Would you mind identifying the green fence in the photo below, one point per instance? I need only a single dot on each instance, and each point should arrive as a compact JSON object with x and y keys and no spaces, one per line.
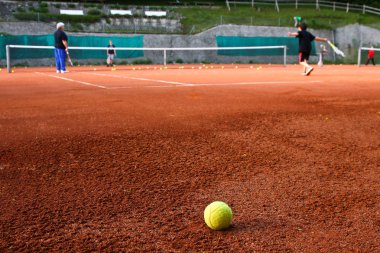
{"x":237,"y":41}
{"x":77,"y":41}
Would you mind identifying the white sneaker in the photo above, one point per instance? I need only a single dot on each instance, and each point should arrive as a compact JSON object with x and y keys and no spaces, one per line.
{"x":58,"y":71}
{"x":308,"y":72}
{"x":64,"y":71}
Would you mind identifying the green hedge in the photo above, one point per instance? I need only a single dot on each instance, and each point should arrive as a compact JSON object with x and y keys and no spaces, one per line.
{"x":47,"y":17}
{"x":94,"y":12}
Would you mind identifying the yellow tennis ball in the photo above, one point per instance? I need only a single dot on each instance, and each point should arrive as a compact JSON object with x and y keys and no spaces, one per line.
{"x":13,"y":71}
{"x":218,"y":215}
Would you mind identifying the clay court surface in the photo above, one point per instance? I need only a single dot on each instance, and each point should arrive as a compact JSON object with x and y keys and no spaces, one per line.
{"x":127,"y":160}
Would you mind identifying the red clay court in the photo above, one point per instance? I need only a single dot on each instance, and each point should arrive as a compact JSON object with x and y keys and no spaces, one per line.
{"x":127,"y":160}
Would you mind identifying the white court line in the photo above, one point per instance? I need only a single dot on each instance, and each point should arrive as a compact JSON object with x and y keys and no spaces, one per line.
{"x":253,"y":83}
{"x":176,"y":84}
{"x":75,"y":81}
{"x":180,"y":84}
{"x":143,"y":79}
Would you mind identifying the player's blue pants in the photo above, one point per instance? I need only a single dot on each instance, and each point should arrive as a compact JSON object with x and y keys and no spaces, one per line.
{"x":60,"y":58}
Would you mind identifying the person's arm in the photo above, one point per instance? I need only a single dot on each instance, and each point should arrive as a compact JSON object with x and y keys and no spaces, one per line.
{"x":292,"y":34}
{"x":65,"y":44}
{"x":321,"y":39}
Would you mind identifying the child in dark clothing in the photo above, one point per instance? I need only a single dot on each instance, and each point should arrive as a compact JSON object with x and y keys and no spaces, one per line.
{"x":305,"y":40}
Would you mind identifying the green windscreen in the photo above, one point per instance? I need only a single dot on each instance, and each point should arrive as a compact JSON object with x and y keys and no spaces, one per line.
{"x":236,"y":41}
{"x":77,"y":41}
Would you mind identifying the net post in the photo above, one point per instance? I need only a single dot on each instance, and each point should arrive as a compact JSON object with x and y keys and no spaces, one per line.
{"x":277,"y":7}
{"x":359,"y":56}
{"x":228,"y":5}
{"x":285,"y":55}
{"x":8,"y":56}
{"x":164,"y":57}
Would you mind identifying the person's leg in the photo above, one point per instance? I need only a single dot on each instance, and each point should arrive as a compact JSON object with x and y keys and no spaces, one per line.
{"x":309,"y":69}
{"x":373,"y":61}
{"x":366,"y":63}
{"x":62,"y":59}
{"x":111,"y":59}
{"x":57,"y":61}
{"x":301,"y":62}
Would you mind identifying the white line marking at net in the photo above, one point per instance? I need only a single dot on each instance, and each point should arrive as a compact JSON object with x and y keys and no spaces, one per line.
{"x":75,"y":81}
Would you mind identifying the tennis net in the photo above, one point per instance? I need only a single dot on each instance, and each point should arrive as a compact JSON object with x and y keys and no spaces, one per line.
{"x":17,"y":55}
{"x":363,"y":54}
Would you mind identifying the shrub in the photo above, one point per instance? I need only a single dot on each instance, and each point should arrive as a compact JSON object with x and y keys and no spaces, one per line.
{"x":58,"y":6}
{"x":72,"y":6}
{"x":48,"y":17}
{"x":180,"y":61}
{"x":76,"y":27}
{"x":43,"y":5}
{"x":94,"y":12}
{"x":142,"y":62}
{"x":88,"y":5}
{"x":20,"y":9}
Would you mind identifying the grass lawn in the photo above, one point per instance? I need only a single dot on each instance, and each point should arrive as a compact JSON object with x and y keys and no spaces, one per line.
{"x":199,"y":19}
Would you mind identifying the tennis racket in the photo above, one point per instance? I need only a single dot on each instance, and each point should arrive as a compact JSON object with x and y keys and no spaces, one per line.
{"x":69,"y":59}
{"x":336,"y":50}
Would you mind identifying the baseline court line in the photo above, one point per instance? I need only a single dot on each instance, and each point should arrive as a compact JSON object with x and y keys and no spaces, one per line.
{"x":75,"y":81}
{"x":143,"y":79}
{"x":175,"y":84}
{"x":181,"y":84}
{"x":253,"y":83}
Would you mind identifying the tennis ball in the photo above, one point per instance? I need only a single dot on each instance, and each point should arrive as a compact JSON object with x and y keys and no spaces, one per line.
{"x":218,"y":215}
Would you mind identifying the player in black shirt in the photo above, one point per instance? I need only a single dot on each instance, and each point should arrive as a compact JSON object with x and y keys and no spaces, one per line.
{"x":61,"y":48}
{"x":111,"y":53}
{"x":305,"y":40}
